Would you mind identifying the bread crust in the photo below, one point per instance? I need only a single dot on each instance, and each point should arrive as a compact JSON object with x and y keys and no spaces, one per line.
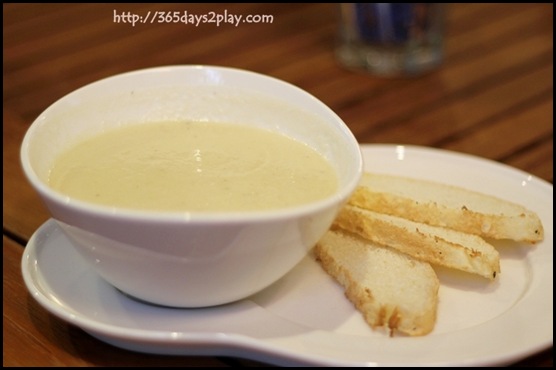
{"x":447,"y":206}
{"x":381,"y":293}
{"x":431,"y":244}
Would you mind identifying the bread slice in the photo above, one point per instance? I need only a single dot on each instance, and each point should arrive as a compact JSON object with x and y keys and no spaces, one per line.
{"x":431,"y":244}
{"x":448,"y":206}
{"x":391,"y":289}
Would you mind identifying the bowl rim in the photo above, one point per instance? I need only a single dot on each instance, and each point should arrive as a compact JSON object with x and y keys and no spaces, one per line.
{"x":114,"y":213}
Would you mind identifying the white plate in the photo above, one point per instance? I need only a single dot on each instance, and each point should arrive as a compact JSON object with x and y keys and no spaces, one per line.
{"x":304,"y":319}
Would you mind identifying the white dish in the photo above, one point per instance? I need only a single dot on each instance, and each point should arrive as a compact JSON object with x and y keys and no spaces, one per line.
{"x":304,"y":318}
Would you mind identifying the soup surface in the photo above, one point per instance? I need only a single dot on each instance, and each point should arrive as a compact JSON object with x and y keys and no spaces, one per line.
{"x":193,"y":166}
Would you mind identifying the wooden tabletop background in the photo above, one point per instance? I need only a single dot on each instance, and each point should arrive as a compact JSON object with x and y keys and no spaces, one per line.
{"x":492,"y":97}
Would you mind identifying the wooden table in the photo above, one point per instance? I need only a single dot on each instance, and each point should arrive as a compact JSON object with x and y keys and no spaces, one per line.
{"x":492,"y":98}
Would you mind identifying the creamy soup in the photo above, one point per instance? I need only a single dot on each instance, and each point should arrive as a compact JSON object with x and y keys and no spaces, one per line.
{"x":193,"y":166}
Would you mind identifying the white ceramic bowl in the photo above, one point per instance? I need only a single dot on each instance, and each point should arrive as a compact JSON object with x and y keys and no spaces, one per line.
{"x":188,"y":259}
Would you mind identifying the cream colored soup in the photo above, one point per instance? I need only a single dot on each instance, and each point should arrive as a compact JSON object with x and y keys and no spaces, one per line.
{"x":193,"y":166}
